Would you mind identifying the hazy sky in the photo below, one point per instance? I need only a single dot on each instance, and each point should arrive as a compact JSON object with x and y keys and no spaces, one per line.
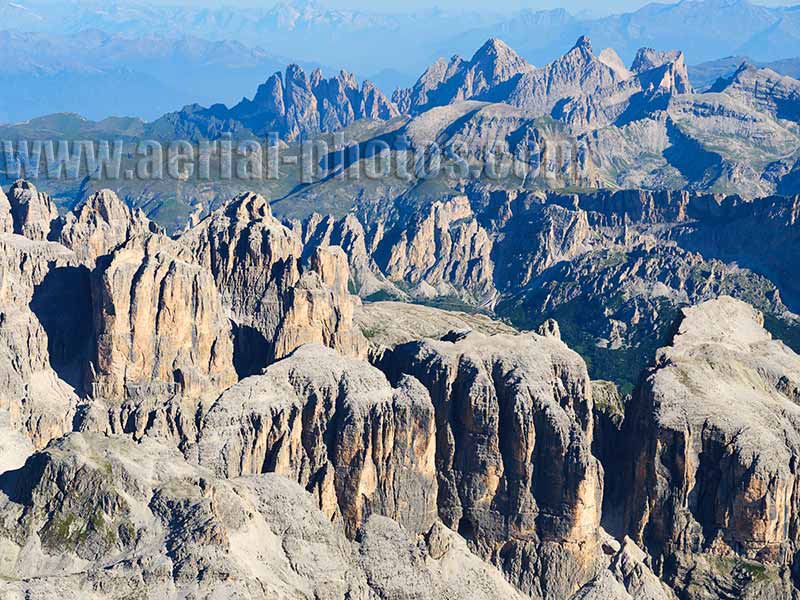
{"x":574,"y":6}
{"x":511,"y":5}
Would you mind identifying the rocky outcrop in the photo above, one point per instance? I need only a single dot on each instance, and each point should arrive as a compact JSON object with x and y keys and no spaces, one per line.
{"x":350,"y":235}
{"x":654,"y":78}
{"x":452,"y":249}
{"x":533,"y":235}
{"x":341,"y":102}
{"x":44,"y":327}
{"x":440,"y":251}
{"x":576,"y":73}
{"x":253,"y":259}
{"x":336,"y":426}
{"x":96,"y":517}
{"x":627,"y":577}
{"x":277,"y":304}
{"x":724,"y":231}
{"x":513,"y":453}
{"x":160,"y":325}
{"x":100,"y":224}
{"x":6,"y":220}
{"x":319,"y":308}
{"x":662,"y":71}
{"x":608,"y":208}
{"x":34,"y":213}
{"x":715,"y":434}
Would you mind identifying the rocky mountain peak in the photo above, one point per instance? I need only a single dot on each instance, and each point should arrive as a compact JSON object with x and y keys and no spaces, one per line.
{"x":291,"y":104}
{"x":723,"y":398}
{"x":248,"y":207}
{"x":296,"y":75}
{"x":100,"y":224}
{"x":493,"y":64}
{"x":496,"y":62}
{"x":612,"y":60}
{"x":583,"y":44}
{"x":649,"y":58}
{"x":764,"y":90}
{"x":269,"y":95}
{"x":495,"y":51}
{"x":34,"y":214}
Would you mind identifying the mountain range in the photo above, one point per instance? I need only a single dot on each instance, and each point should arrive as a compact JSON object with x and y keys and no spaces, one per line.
{"x":515,"y":330}
{"x":705,"y":29}
{"x":640,"y":141}
{"x":160,"y":57}
{"x":238,"y":411}
{"x":617,"y":126}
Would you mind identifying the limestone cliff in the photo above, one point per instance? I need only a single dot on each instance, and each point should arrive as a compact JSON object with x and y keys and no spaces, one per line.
{"x":513,"y":454}
{"x":715,"y":435}
{"x":6,"y":220}
{"x":102,"y":517}
{"x":160,"y":324}
{"x":44,"y":326}
{"x":277,"y":303}
{"x":336,"y":426}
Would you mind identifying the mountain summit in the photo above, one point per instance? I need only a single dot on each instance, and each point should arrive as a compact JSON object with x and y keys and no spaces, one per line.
{"x":444,"y":83}
{"x":292,"y":104}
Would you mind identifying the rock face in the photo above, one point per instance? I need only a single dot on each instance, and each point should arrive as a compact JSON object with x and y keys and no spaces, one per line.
{"x":253,"y":259}
{"x":97,"y":517}
{"x":100,"y":224}
{"x":612,"y":267}
{"x":516,"y":474}
{"x":350,"y":235}
{"x":440,"y":251}
{"x":627,"y":577}
{"x":135,"y":457}
{"x":293,"y":106}
{"x":583,"y":89}
{"x":6,"y":220}
{"x":44,"y":320}
{"x":34,"y":213}
{"x":160,"y":324}
{"x":455,"y":248}
{"x":715,"y":434}
{"x":319,"y":308}
{"x":277,"y":304}
{"x":336,"y":426}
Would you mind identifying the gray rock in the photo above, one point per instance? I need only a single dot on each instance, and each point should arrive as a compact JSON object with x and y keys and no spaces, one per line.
{"x":6,"y":220}
{"x":100,"y":224}
{"x":443,"y":83}
{"x":276,"y":303}
{"x":94,"y":516}
{"x":715,"y":433}
{"x":34,"y":213}
{"x":336,"y":426}
{"x":160,"y":325}
{"x":516,"y":474}
{"x":40,"y":342}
